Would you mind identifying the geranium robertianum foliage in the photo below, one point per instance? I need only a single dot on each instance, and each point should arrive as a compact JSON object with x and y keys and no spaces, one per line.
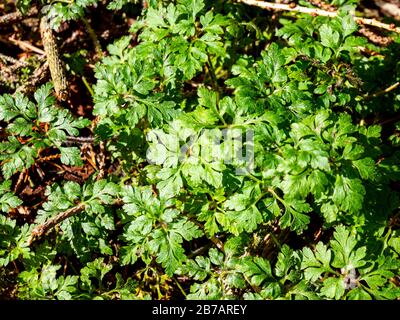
{"x":310,"y":213}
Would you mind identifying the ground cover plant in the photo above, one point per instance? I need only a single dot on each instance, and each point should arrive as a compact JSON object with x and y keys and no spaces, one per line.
{"x":197,"y":149}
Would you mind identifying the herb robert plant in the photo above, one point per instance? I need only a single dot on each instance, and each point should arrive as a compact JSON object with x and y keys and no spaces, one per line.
{"x":311,"y":213}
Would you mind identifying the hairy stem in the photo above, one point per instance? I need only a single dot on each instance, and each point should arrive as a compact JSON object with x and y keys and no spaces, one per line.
{"x":41,"y":229}
{"x":56,"y":66}
{"x":93,"y":37}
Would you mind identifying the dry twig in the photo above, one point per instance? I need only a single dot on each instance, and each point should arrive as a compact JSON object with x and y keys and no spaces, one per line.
{"x":80,"y":140}
{"x":26,"y":46}
{"x":317,"y":12}
{"x":16,"y":16}
{"x":17,"y":62}
{"x":374,"y":37}
{"x":101,"y":160}
{"x":389,"y":9}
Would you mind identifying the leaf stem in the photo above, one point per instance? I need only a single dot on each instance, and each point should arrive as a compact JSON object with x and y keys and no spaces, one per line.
{"x":252,"y":177}
{"x":383,"y":92}
{"x":276,"y":196}
{"x":275,"y":240}
{"x":385,"y":239}
{"x":180,"y":287}
{"x":87,"y":85}
{"x":211,"y":72}
{"x":93,"y":37}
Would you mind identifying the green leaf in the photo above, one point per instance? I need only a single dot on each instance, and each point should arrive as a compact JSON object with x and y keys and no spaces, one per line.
{"x":366,"y":167}
{"x":167,"y":247}
{"x":294,"y":216}
{"x":243,"y":220}
{"x":349,"y":25}
{"x":7,"y":199}
{"x":192,"y":7}
{"x":329,"y":37}
{"x":170,"y":182}
{"x":348,"y":194}
{"x":346,"y":256}
{"x":274,"y":62}
{"x":287,"y":263}
{"x":96,"y":269}
{"x":315,"y":264}
{"x":71,"y":156}
{"x":45,"y":101}
{"x":197,"y":269}
{"x":256,"y":269}
{"x":333,"y":288}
